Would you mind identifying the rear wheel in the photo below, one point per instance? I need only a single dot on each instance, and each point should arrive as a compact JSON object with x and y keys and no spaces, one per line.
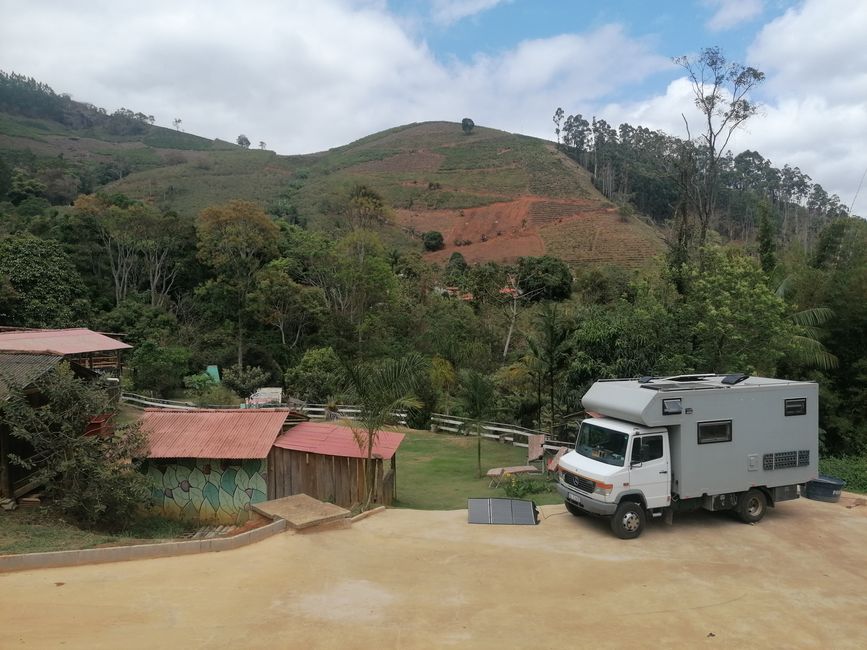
{"x":628,"y":520}
{"x":752,"y":506}
{"x":573,"y":509}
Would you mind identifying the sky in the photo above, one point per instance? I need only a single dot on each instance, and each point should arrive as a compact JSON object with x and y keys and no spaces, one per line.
{"x":305,"y":75}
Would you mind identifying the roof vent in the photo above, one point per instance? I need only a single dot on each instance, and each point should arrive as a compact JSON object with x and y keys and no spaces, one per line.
{"x":645,"y":380}
{"x":731,"y":380}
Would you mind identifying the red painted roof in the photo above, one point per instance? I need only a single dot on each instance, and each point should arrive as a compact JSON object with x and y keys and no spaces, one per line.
{"x":334,"y":440}
{"x":69,"y":341}
{"x":212,"y":433}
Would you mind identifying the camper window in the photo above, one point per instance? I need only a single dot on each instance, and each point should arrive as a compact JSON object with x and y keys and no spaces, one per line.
{"x":672,"y":407}
{"x":796,"y":406}
{"x":716,"y":431}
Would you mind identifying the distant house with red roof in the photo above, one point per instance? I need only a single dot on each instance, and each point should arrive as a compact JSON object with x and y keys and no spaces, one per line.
{"x":85,"y":347}
{"x":214,"y":464}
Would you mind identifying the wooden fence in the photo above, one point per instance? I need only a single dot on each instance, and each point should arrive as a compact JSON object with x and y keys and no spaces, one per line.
{"x":511,"y":433}
{"x":313,"y":411}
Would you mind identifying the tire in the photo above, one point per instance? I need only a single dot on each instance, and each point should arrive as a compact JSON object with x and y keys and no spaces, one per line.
{"x":573,"y":509}
{"x":628,"y":520}
{"x":752,"y":506}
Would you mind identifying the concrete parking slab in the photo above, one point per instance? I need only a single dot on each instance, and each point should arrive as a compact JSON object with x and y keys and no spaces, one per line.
{"x":413,"y":579}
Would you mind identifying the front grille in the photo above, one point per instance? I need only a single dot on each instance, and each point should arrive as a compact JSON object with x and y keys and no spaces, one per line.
{"x":583,"y":484}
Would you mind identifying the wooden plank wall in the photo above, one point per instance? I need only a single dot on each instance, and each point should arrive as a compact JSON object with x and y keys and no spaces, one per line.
{"x":333,"y":479}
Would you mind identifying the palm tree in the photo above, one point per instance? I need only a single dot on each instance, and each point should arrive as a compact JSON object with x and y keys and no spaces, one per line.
{"x":380,"y":391}
{"x":477,"y":399}
{"x":807,"y":349}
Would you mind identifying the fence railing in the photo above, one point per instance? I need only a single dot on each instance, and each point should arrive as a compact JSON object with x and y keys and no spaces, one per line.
{"x":144,"y":401}
{"x":511,"y":433}
{"x":341,"y":412}
{"x":313,"y":411}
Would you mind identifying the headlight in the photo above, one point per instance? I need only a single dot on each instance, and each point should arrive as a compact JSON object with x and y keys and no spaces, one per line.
{"x":603,"y":488}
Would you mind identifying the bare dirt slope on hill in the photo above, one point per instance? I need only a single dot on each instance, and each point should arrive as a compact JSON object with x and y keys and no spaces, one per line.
{"x":414,"y":579}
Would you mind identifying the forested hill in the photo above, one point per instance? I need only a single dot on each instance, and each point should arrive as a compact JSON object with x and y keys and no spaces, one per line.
{"x":285,"y":269}
{"x":493,"y":195}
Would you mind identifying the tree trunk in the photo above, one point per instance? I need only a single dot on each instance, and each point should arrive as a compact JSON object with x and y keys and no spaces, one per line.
{"x":240,"y":340}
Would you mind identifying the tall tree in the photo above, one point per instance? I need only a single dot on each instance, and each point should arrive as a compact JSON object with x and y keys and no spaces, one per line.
{"x":281,"y":302}
{"x":550,"y":347}
{"x":721,"y":89}
{"x":116,"y":219}
{"x":39,"y":286}
{"x":236,"y":239}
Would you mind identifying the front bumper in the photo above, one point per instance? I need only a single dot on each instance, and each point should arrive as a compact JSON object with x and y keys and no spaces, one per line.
{"x":586,"y":502}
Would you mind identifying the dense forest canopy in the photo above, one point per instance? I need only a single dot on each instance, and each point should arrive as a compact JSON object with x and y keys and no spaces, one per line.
{"x":778,"y":288}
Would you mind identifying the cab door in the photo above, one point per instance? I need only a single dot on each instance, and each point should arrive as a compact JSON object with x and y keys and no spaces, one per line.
{"x":649,"y":469}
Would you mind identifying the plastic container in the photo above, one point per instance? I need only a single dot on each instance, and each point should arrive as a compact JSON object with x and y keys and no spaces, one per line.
{"x":825,"y":488}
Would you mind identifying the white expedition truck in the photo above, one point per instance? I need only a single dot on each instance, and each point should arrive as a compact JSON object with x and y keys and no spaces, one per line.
{"x":655,"y":446}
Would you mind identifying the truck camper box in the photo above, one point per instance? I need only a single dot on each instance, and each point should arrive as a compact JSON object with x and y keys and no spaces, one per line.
{"x":657,"y":445}
{"x":758,"y":431}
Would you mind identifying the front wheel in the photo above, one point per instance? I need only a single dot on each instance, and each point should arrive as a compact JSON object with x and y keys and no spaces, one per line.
{"x":752,"y":506}
{"x":628,"y":520}
{"x":574,"y":510}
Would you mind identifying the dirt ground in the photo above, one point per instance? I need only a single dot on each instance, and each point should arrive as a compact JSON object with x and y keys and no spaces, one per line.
{"x":413,"y":579}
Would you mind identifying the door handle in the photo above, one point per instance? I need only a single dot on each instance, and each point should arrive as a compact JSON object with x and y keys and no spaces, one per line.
{"x":664,"y":472}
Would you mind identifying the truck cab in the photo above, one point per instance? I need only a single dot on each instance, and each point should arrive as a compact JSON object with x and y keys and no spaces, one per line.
{"x":615,"y":462}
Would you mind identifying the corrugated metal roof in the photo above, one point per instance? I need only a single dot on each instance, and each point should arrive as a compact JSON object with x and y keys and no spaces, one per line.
{"x":69,"y":341}
{"x":22,"y":369}
{"x":334,"y":440}
{"x":212,"y":433}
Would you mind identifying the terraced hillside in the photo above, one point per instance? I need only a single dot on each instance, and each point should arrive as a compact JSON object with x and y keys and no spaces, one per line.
{"x":494,"y":195}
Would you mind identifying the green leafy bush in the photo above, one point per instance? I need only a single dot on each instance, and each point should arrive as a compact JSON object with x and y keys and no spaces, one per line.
{"x":245,"y":380}
{"x":518,"y":487}
{"x":88,"y":477}
{"x":852,"y":469}
{"x":159,"y":368}
{"x":433,"y":240}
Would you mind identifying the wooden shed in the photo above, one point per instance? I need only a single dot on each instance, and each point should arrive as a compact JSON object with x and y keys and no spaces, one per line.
{"x":323,"y":460}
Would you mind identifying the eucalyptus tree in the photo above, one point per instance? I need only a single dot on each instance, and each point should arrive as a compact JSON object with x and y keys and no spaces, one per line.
{"x":721,"y":90}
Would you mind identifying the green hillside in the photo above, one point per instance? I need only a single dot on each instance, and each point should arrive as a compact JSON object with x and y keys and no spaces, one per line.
{"x":496,"y":195}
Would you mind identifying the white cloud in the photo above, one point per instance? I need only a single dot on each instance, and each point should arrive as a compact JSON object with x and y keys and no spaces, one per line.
{"x":731,"y":13}
{"x":814,"y":112}
{"x":304,"y":76}
{"x":447,"y":12}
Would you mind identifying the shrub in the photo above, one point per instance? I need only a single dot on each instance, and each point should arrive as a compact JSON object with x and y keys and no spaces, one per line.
{"x":518,"y":487}
{"x":217,"y":395}
{"x":852,"y":469}
{"x":89,"y":477}
{"x":159,"y":368}
{"x":317,"y":376}
{"x":245,"y":380}
{"x":433,"y":240}
{"x":199,"y":383}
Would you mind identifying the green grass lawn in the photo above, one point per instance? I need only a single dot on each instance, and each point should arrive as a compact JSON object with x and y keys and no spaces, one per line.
{"x":39,"y":530}
{"x":437,"y":471}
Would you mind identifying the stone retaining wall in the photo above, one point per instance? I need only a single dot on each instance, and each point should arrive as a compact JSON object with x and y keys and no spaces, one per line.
{"x":26,"y":561}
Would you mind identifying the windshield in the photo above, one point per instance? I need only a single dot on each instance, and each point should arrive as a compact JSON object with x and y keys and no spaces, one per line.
{"x":602,"y":444}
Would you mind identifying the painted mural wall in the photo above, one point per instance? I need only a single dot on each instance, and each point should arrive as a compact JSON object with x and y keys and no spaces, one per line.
{"x":207,"y":490}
